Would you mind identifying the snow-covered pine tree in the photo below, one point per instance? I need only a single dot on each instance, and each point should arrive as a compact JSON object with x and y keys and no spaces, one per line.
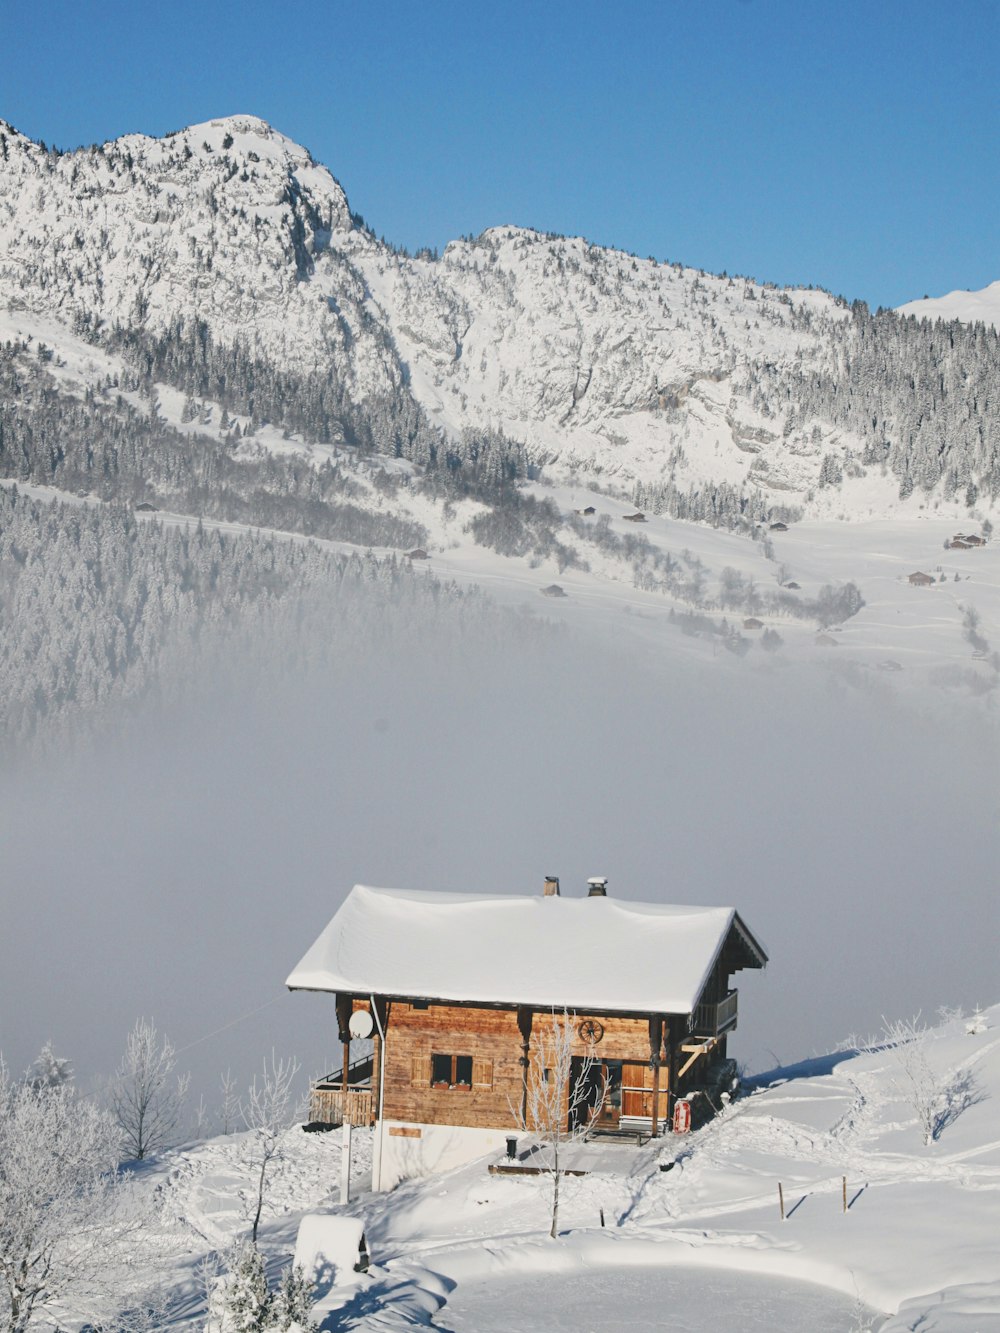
{"x":49,"y":1070}
{"x":293,"y":1302}
{"x":249,"y":1304}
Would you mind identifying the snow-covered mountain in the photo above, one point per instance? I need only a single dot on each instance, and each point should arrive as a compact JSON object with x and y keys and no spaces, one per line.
{"x":595,"y":358}
{"x":199,"y":324}
{"x":601,"y":363}
{"x":228,"y":222}
{"x":982,"y":307}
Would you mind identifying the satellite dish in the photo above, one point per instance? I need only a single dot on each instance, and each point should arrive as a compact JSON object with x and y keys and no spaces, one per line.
{"x":361,"y":1025}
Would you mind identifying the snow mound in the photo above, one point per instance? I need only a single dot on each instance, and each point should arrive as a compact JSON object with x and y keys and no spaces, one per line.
{"x":982,"y":307}
{"x":327,"y":1249}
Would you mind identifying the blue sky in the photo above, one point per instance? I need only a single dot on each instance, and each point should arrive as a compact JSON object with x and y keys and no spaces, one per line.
{"x":854,"y":146}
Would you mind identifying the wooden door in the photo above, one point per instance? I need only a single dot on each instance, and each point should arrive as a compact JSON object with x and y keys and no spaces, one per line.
{"x":637,"y":1090}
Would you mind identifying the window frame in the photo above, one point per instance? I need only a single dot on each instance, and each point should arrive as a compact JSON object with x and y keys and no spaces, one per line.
{"x":453,"y":1084}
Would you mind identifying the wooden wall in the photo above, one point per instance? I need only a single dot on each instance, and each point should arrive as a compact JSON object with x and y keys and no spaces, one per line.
{"x":493,"y":1039}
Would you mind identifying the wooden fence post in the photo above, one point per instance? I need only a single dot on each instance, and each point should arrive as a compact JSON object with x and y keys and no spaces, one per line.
{"x":781,"y":1200}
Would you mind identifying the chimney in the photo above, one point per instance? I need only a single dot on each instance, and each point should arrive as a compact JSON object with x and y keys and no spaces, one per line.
{"x":597,"y":887}
{"x":551,"y":887}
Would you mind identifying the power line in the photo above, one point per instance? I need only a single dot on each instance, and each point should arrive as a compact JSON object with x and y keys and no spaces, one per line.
{"x":226,"y":1026}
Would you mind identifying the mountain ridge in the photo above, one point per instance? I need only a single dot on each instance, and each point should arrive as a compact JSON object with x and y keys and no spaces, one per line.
{"x":663,"y":381}
{"x":967,"y":307}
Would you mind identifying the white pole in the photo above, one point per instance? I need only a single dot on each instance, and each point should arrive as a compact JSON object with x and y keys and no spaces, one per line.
{"x":377,"y":1157}
{"x":345,"y":1163}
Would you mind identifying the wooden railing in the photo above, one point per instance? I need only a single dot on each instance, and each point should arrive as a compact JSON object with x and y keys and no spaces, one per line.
{"x":711,"y":1020}
{"x":331,"y":1104}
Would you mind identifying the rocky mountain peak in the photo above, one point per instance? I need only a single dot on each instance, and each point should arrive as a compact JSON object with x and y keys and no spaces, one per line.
{"x":595,"y":361}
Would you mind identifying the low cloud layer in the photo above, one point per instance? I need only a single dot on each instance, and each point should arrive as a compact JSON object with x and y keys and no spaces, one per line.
{"x":181,"y":870}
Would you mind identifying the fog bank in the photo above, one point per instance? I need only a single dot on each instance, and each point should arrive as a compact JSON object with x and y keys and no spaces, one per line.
{"x":180,"y":870}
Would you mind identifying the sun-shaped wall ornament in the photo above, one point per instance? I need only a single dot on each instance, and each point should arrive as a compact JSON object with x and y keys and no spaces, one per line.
{"x":590,"y":1030}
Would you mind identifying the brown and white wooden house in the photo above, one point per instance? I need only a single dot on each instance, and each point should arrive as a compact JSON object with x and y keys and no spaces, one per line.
{"x":456,"y":990}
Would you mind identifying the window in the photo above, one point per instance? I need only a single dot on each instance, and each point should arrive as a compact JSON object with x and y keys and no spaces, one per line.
{"x":451,"y":1071}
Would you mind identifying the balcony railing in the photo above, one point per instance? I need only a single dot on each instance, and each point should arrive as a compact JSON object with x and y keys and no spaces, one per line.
{"x":332,"y":1104}
{"x":712,"y":1020}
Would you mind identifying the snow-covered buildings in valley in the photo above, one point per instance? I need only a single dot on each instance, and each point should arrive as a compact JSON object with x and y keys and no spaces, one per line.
{"x":457,"y":989}
{"x":922,"y":580}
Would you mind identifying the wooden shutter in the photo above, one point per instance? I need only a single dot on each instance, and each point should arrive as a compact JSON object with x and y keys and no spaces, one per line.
{"x":420,"y":1070}
{"x":482,"y":1073}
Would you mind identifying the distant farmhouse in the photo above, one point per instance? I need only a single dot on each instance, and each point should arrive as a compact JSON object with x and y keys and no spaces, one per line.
{"x":921,"y":580}
{"x":965,"y":541}
{"x":456,"y":988}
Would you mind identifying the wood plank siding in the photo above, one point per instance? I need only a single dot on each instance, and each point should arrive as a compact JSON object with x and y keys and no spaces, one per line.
{"x":426,"y":1083}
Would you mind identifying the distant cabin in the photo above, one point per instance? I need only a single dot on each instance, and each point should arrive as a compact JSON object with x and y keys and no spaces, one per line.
{"x":921,"y":580}
{"x":778,"y":527}
{"x":553,"y":590}
{"x":456,"y":989}
{"x":589,"y":510}
{"x":418,"y":554}
{"x":975,"y":540}
{"x":634,"y":518}
{"x":752,"y":622}
{"x":960,"y":544}
{"x":793,"y":587}
{"x":145,"y":508}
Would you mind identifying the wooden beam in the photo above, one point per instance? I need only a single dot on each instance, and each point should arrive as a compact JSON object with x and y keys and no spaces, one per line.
{"x":345,"y":1006}
{"x":655,"y":1045}
{"x":502,"y":1169}
{"x":703,"y":1049}
{"x":524,"y":1017}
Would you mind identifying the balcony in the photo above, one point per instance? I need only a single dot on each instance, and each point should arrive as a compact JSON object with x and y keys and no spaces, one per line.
{"x":330,"y":1103}
{"x":333,"y":1104}
{"x":712,"y":1020}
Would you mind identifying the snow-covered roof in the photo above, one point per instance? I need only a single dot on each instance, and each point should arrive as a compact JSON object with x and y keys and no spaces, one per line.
{"x":603,"y":954}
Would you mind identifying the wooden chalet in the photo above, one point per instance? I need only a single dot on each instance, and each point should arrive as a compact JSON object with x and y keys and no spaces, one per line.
{"x":455,"y":990}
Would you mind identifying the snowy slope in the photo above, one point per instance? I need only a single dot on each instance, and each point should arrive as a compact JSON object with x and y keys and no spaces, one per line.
{"x":915,"y":1248}
{"x":982,"y":307}
{"x":906,"y":641}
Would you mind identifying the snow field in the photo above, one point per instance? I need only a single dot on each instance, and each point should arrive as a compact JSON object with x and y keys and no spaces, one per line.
{"x":906,"y":639}
{"x":465,"y":1251}
{"x":970,"y":307}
